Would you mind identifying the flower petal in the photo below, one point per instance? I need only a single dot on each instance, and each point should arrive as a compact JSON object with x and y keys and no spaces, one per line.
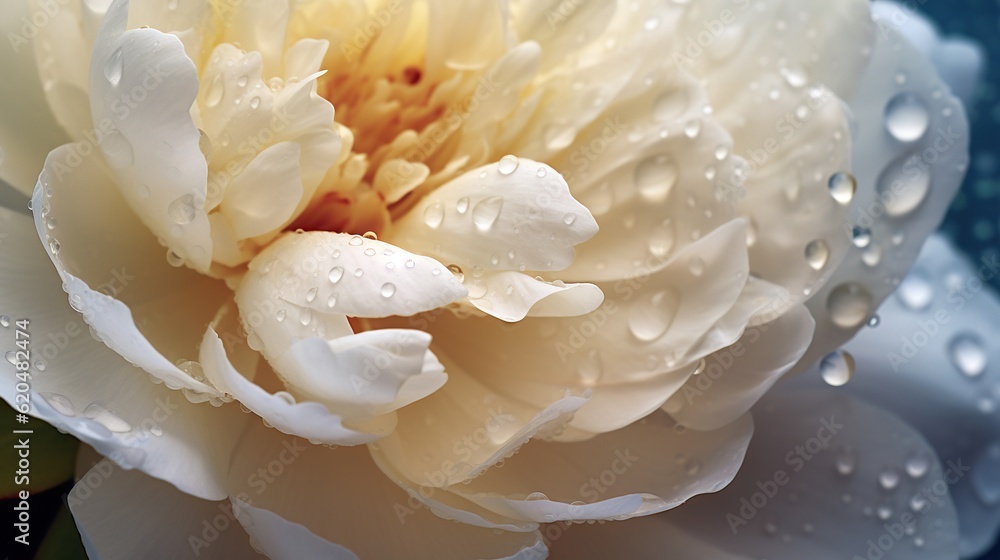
{"x":512,"y":296}
{"x":154,"y":150}
{"x":141,"y":307}
{"x":82,"y":387}
{"x":933,"y":361}
{"x":735,"y":378}
{"x":790,"y":501}
{"x":310,"y":420}
{"x":514,"y":215}
{"x":294,"y":497}
{"x":28,"y":129}
{"x":465,"y":428}
{"x":911,"y":154}
{"x":125,"y":514}
{"x":650,"y":466}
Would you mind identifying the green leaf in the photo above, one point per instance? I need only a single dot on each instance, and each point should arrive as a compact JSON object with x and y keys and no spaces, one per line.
{"x":51,"y":455}
{"x":62,"y":541}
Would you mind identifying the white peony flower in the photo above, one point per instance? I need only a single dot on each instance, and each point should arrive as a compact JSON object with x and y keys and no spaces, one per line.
{"x":424,"y":240}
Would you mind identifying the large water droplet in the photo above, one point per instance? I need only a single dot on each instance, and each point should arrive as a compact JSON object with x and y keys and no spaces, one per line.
{"x":114,"y":67}
{"x":215,"y":92}
{"x":107,"y":418}
{"x":849,"y":305}
{"x":508,"y":164}
{"x":903,"y":186}
{"x":837,"y":368}
{"x":817,"y":254}
{"x":486,"y":212}
{"x":907,"y":117}
{"x":842,"y":187}
{"x":917,"y":466}
{"x":434,"y":215}
{"x":888,"y":479}
{"x":182,"y":210}
{"x":915,"y":292}
{"x":650,"y":317}
{"x":61,"y":404}
{"x":861,"y":237}
{"x":655,"y":177}
{"x":388,"y":290}
{"x":336,"y":273}
{"x":968,"y":354}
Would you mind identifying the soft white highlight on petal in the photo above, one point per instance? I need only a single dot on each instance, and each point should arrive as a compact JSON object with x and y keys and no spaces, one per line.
{"x":512,"y":296}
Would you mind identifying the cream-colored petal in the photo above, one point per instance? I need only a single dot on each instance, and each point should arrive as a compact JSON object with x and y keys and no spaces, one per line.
{"x":325,"y":509}
{"x":651,"y":466}
{"x":125,"y":514}
{"x":153,"y":149}
{"x":732,"y":380}
{"x":465,"y":428}
{"x":83,"y":388}
{"x":310,"y":420}
{"x":263,"y":197}
{"x":117,"y":275}
{"x":513,"y":215}
{"x":28,"y":129}
{"x":632,"y":352}
{"x":512,"y":296}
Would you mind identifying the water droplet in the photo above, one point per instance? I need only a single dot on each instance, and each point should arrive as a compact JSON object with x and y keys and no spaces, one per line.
{"x":883,"y":512}
{"x":861,"y":237}
{"x":842,"y":187}
{"x":215,"y":92}
{"x":845,"y":461}
{"x":650,"y":317}
{"x":903,"y":185}
{"x":457,"y":271}
{"x":462,"y":205}
{"x":508,"y":164}
{"x":54,"y":246}
{"x":874,"y":321}
{"x":568,"y":219}
{"x":590,"y":369}
{"x":61,"y":404}
{"x":696,"y":266}
{"x":114,"y":67}
{"x":968,"y":354}
{"x":255,"y":102}
{"x":693,"y":128}
{"x":4,"y":321}
{"x":311,"y":295}
{"x":795,"y":76}
{"x":107,"y":418}
{"x":434,"y":215}
{"x":388,"y":290}
{"x":182,"y":210}
{"x":535,"y":497}
{"x":916,"y":291}
{"x":370,"y":252}
{"x":917,"y":466}
{"x":655,"y":177}
{"x":849,"y":305}
{"x":486,"y":212}
{"x":837,"y":368}
{"x":817,"y":254}
{"x":888,"y":479}
{"x":907,"y":117}
{"x":280,"y":315}
{"x":305,"y":317}
{"x":662,"y":239}
{"x":336,"y":273}
{"x":359,"y":272}
{"x":542,"y":172}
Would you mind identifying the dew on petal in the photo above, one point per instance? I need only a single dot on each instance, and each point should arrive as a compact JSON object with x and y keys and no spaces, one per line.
{"x":968,"y":354}
{"x":107,"y":418}
{"x":907,"y":117}
{"x":842,"y":187}
{"x":508,"y":164}
{"x":486,"y":212}
{"x":60,"y":404}
{"x":434,"y":214}
{"x":114,"y":67}
{"x":916,"y":291}
{"x":182,"y":210}
{"x":849,"y":305}
{"x":336,"y":273}
{"x":655,"y":177}
{"x":650,"y":317}
{"x":837,"y":368}
{"x":817,"y":254}
{"x":388,"y":290}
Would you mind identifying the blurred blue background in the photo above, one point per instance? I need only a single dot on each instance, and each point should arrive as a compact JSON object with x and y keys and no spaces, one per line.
{"x":974,"y":219}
